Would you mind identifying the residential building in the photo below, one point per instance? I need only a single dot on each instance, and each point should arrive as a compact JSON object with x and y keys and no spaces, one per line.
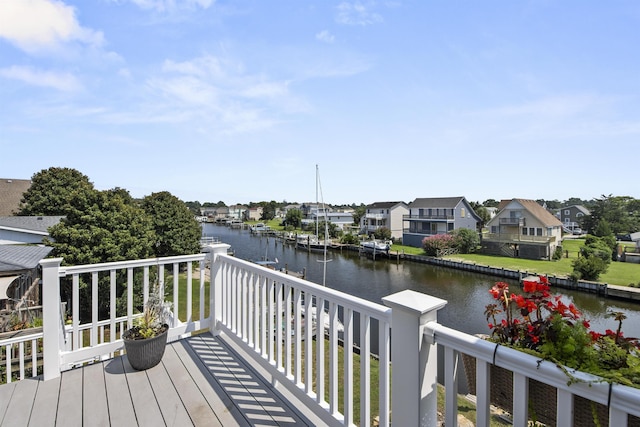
{"x":342,"y":220}
{"x":11,"y":192}
{"x":384,"y":214}
{"x":571,"y":216}
{"x":253,"y":214}
{"x":19,"y":278}
{"x":522,"y":229}
{"x":437,"y":215}
{"x":237,"y":211}
{"x":25,"y":229}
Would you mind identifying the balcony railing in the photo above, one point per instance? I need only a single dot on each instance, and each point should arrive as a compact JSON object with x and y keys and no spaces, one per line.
{"x":515,"y":238}
{"x":427,"y":216}
{"x":520,"y":222}
{"x":271,"y":315}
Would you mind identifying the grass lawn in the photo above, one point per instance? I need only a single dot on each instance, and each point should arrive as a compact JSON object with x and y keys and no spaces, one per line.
{"x":618,"y":273}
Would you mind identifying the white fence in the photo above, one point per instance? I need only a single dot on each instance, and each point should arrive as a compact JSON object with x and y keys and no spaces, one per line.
{"x":279,"y":319}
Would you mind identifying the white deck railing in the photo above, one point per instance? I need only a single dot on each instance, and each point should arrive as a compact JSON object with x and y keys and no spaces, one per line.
{"x":268,"y":313}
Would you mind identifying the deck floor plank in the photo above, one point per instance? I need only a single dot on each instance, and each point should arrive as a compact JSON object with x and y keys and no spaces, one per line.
{"x":255,"y":398}
{"x":45,"y":405}
{"x":121,"y":411}
{"x":169,"y":401}
{"x":69,"y":412}
{"x":226,"y":411}
{"x":195,"y":403}
{"x":144,"y":403}
{"x":95,"y":412}
{"x":21,"y":403}
{"x":5,"y":397}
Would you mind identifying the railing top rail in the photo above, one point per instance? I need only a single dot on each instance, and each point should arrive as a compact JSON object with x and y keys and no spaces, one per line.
{"x":22,"y":338}
{"x":88,"y":268}
{"x":377,"y":311}
{"x":586,"y":385}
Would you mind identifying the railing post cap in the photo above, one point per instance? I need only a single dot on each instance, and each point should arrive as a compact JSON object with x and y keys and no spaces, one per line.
{"x":413,"y":301}
{"x":49,"y":262}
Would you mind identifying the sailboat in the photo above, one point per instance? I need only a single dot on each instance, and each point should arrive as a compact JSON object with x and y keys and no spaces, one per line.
{"x":324,"y":261}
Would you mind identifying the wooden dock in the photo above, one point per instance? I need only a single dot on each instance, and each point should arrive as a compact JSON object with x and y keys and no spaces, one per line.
{"x":202,"y":380}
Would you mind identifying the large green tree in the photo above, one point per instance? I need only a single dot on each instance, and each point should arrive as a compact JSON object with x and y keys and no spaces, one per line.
{"x":293,"y":218}
{"x":617,"y":211}
{"x":51,"y":191}
{"x":177,"y":231}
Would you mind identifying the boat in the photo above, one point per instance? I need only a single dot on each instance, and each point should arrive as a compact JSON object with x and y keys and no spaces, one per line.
{"x":375,"y":247}
{"x":259,"y":228}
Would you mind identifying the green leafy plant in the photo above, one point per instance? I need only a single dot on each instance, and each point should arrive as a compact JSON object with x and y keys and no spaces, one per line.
{"x":154,"y":318}
{"x":542,"y":324}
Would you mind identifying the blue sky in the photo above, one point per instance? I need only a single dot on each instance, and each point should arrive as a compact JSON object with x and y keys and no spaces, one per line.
{"x":394,"y":100}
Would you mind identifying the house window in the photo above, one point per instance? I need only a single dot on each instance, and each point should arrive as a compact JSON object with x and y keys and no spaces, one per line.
{"x":462,"y":213}
{"x":450,"y":227}
{"x":524,"y":231}
{"x":579,"y":214}
{"x":434,"y":228}
{"x":538,"y":231}
{"x":494,"y":229}
{"x":567,"y":212}
{"x":532,"y":231}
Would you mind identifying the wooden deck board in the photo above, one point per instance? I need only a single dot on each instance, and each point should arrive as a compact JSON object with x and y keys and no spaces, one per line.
{"x":200,"y":381}
{"x":194,"y":402}
{"x":5,"y":397}
{"x":228,"y":413}
{"x":144,"y":403}
{"x":45,"y":406}
{"x":21,"y":402}
{"x":121,"y":411}
{"x":96,"y":414}
{"x":70,"y":401}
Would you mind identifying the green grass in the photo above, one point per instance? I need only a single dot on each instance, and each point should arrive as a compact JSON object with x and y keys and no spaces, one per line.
{"x":618,"y":273}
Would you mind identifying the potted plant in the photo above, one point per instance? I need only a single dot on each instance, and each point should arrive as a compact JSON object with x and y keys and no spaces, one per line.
{"x":541,"y":324}
{"x":146,"y":340}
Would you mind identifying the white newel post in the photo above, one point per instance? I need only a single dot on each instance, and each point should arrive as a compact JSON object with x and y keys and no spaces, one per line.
{"x":215,"y":293}
{"x":413,"y":359}
{"x":52,"y":326}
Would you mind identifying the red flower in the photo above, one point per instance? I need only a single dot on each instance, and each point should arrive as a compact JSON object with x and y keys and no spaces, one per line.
{"x":529,"y":286}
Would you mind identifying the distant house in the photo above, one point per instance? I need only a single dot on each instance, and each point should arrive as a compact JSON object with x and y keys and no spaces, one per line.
{"x":384,"y":214}
{"x":237,"y":211}
{"x":522,"y":229}
{"x":20,"y":277}
{"x":11,"y":192}
{"x":25,"y":229}
{"x":343,"y":220}
{"x":253,"y":214}
{"x":438,"y":215}
{"x":571,"y":216}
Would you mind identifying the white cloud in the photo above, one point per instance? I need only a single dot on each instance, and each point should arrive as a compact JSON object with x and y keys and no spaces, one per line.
{"x":325,"y":36}
{"x":171,"y":5}
{"x":39,"y":25}
{"x":60,"y":81}
{"x":357,"y":13}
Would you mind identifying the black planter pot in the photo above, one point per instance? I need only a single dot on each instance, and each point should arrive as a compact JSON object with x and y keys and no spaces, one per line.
{"x":145,"y":353}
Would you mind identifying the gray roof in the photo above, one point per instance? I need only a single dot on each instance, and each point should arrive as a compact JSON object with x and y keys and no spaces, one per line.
{"x":21,"y":257}
{"x":384,"y":205}
{"x":11,"y":191}
{"x":436,"y":202}
{"x":31,"y":223}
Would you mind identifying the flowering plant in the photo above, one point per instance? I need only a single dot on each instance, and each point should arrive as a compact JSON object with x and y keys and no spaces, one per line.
{"x":537,"y":322}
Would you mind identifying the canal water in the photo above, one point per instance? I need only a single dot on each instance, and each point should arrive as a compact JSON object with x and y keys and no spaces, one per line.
{"x":467,"y":293}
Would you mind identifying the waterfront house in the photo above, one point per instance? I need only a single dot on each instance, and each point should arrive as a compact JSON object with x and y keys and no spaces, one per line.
{"x":341,"y":220}
{"x":253,"y":214}
{"x":436,"y":215}
{"x":384,"y":214}
{"x":571,"y":217}
{"x":26,"y":229}
{"x":522,"y":229}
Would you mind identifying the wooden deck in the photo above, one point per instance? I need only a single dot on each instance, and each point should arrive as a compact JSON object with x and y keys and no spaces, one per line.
{"x":201,"y":380}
